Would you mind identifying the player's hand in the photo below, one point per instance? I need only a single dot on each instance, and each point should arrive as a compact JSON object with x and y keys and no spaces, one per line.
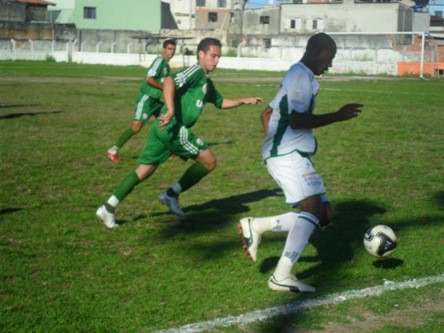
{"x":349,"y":111}
{"x":253,"y":100}
{"x":165,"y":119}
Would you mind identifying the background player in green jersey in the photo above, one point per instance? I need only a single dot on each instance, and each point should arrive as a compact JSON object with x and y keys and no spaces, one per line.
{"x":148,"y":101}
{"x":186,"y":94}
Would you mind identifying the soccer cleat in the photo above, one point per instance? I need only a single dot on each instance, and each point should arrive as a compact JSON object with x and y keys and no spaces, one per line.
{"x":106,"y":217}
{"x":251,"y":238}
{"x":290,"y":283}
{"x":112,"y":156}
{"x":172,"y":203}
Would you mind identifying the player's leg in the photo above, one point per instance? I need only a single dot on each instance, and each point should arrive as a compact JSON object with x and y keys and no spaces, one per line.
{"x":252,"y":229}
{"x":129,"y":182}
{"x":142,"y":113}
{"x":205,"y":163}
{"x":153,"y":154}
{"x":189,"y":146}
{"x":302,"y":187}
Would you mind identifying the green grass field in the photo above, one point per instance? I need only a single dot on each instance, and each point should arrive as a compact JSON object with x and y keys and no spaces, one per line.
{"x":62,"y":271}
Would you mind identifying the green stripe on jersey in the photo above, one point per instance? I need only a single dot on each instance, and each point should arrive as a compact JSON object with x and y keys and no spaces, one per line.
{"x":284,"y":122}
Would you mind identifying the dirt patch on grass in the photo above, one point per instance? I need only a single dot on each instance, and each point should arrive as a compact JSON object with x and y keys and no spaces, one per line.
{"x":411,"y":317}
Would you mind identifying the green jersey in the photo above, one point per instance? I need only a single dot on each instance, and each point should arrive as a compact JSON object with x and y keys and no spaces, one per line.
{"x":158,"y":70}
{"x":193,"y":90}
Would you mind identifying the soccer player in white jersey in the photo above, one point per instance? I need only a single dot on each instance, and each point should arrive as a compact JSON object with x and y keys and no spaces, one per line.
{"x":289,"y":121}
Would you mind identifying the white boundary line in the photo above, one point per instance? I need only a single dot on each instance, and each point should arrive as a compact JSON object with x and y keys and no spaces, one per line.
{"x":259,"y":315}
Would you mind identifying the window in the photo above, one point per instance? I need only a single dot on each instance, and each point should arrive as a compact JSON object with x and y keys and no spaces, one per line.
{"x":89,"y":12}
{"x":264,"y":20}
{"x":438,"y":13}
{"x":200,"y":3}
{"x":212,"y":17}
{"x":222,"y":3}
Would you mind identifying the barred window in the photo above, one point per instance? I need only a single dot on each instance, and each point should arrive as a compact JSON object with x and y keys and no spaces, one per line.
{"x":264,"y":20}
{"x":89,"y":12}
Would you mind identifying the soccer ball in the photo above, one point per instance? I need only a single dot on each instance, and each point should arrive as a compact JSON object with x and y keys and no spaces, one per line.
{"x":380,"y":241}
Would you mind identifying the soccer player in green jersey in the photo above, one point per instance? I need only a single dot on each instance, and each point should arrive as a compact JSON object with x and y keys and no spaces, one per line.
{"x":148,"y":101}
{"x":186,"y":94}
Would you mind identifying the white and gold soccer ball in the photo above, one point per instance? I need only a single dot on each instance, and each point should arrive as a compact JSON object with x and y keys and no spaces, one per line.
{"x":380,"y":241}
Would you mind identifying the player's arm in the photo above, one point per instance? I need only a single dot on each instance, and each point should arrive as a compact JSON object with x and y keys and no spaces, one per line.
{"x":152,"y":82}
{"x":169,"y":91}
{"x":306,"y":121}
{"x":232,"y":103}
{"x":265,"y":118}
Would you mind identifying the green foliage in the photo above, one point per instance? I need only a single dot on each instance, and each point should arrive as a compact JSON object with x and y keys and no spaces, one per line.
{"x":62,"y":270}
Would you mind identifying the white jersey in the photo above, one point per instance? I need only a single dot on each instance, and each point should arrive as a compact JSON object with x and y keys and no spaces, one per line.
{"x":297,"y":92}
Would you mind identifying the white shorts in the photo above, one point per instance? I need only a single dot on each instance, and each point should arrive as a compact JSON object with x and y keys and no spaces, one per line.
{"x":296,"y":176}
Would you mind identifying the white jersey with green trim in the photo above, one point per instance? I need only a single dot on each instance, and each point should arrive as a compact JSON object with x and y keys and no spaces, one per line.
{"x":297,"y":93}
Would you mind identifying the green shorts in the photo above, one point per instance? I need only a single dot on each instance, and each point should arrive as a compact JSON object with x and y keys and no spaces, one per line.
{"x":175,"y":139}
{"x":146,"y":107}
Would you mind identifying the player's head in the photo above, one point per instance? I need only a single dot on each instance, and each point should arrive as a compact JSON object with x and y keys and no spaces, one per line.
{"x":169,"y":48}
{"x":208,"y":53}
{"x":319,"y":54}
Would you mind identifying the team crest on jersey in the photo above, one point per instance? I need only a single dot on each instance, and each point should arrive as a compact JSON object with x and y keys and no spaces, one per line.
{"x":199,"y":103}
{"x":165,"y":71}
{"x":181,"y":79}
{"x":204,"y":89}
{"x":151,"y":73}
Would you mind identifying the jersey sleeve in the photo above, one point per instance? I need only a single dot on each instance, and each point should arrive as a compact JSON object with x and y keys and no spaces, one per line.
{"x":156,"y":69}
{"x":213,"y":96}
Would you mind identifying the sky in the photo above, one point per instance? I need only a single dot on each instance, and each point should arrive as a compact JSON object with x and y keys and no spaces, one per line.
{"x":262,"y":3}
{"x":439,"y":6}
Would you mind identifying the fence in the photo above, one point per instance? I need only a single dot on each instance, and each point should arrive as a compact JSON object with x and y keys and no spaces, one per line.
{"x":386,"y":54}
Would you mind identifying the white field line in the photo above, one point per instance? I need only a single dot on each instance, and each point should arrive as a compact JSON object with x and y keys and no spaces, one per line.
{"x":259,"y":315}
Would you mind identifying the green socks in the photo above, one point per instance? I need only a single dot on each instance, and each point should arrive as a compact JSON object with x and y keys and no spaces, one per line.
{"x":126,"y":185}
{"x":124,"y":137}
{"x":192,"y":176}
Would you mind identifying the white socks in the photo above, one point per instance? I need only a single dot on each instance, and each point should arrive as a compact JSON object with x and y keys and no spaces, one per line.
{"x":114,"y":150}
{"x":113,"y":201}
{"x":277,"y":223}
{"x":177,"y":188}
{"x":297,"y":240}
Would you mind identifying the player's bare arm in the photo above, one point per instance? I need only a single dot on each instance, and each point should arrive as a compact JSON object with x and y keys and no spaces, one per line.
{"x":305,"y":120}
{"x":168,"y":93}
{"x":265,"y":118}
{"x":231,"y":103}
{"x":152,"y":82}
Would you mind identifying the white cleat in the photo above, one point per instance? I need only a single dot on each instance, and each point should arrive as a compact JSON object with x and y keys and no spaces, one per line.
{"x":172,"y":203}
{"x":251,"y":238}
{"x":106,"y":217}
{"x":290,"y":283}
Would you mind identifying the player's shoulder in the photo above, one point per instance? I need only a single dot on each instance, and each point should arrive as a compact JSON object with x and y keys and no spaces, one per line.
{"x":298,"y":71}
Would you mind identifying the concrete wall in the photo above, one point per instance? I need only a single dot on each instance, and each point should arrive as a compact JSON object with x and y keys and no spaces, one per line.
{"x":120,"y":15}
{"x":12,"y":11}
{"x":116,"y":41}
{"x":346,"y":16}
{"x":202,"y":18}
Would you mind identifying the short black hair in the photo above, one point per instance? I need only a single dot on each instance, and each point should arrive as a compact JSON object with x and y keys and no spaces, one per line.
{"x":319,"y":41}
{"x":169,"y":42}
{"x":206,"y":43}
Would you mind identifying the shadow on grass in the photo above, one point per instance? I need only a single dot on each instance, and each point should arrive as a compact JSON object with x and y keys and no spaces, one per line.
{"x":388,"y":263}
{"x":216,"y":213}
{"x":9,"y":210}
{"x":336,"y":245}
{"x":16,"y":106}
{"x":24,"y":114}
